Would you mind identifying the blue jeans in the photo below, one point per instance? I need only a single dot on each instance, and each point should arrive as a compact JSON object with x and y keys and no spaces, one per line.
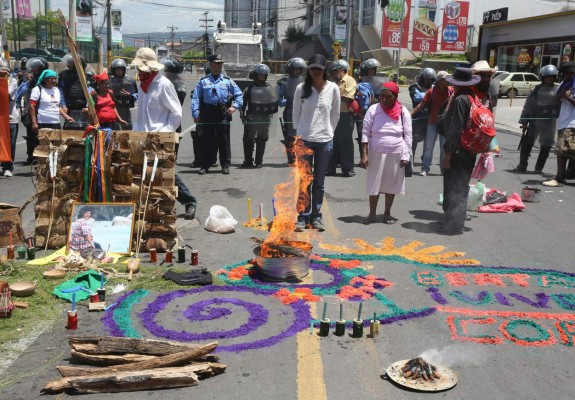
{"x":13,"y":135}
{"x":185,"y":197}
{"x":429,"y":145}
{"x":318,"y":159}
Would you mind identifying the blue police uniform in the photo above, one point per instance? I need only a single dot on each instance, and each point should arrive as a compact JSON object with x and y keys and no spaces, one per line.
{"x":213,"y":95}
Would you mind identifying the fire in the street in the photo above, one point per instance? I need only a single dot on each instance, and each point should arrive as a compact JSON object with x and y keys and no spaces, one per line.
{"x":418,"y":368}
{"x":291,"y":198}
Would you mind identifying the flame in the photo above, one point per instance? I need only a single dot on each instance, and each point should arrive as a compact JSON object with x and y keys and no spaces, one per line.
{"x":291,"y":198}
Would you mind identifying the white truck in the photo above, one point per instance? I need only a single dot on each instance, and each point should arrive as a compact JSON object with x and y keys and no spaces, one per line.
{"x":240,"y":48}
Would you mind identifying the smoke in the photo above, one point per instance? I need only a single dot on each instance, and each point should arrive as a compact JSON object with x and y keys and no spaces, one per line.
{"x":454,"y":355}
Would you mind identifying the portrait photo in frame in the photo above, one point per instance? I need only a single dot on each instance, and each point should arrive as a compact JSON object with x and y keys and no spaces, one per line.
{"x":106,"y":226}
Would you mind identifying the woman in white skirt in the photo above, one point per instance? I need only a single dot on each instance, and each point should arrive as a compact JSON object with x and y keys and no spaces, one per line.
{"x":385,"y":150}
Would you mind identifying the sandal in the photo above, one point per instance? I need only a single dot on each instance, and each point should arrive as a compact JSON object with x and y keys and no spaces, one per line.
{"x":389,"y":220}
{"x":368,"y":220}
{"x":553,"y":183}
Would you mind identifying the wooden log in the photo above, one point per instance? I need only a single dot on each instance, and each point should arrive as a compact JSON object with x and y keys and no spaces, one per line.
{"x":120,"y":345}
{"x":127,"y":381}
{"x":111,"y":359}
{"x":68,"y":371}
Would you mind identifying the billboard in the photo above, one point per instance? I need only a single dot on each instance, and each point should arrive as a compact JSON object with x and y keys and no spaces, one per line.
{"x":340,"y":32}
{"x":84,"y":10}
{"x":424,"y":29}
{"x":116,"y":26}
{"x":395,"y":26}
{"x":455,"y":17}
{"x":139,"y":42}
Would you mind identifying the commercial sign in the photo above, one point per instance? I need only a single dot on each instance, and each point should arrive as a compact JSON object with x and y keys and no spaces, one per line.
{"x":139,"y":42}
{"x":424,"y":31}
{"x":84,"y":9}
{"x":395,"y":25}
{"x":455,"y":17}
{"x":116,"y":26}
{"x":340,"y":33}
{"x":499,"y":15}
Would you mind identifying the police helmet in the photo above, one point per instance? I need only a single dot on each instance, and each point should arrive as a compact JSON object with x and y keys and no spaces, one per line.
{"x":548,"y":70}
{"x":260,"y":69}
{"x":68,"y":59}
{"x":4,"y":64}
{"x":172,"y":65}
{"x":118,"y":63}
{"x":23,"y":61}
{"x":37,"y":65}
{"x":294,"y":63}
{"x":428,"y":73}
{"x":90,"y":77}
{"x":339,"y":65}
{"x":371,"y":63}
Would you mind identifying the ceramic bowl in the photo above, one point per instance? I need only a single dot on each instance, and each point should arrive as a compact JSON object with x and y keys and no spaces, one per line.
{"x":54,"y":274}
{"x":23,"y":288}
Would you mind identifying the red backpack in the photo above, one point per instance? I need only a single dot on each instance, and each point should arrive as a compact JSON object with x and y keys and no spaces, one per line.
{"x":480,"y":128}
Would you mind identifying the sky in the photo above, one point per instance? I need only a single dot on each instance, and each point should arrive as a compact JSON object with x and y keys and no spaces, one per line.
{"x":141,"y":16}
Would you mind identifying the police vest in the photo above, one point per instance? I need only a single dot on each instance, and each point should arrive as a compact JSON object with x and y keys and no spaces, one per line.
{"x":126,"y":83}
{"x":75,"y":99}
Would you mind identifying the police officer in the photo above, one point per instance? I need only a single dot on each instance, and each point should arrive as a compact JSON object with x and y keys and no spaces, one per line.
{"x":260,"y":102}
{"x":216,"y":97}
{"x":286,"y":88}
{"x":21,"y":73}
{"x":365,"y":94}
{"x":423,"y":83}
{"x":125,"y":90}
{"x":72,"y":98}
{"x":343,"y":135}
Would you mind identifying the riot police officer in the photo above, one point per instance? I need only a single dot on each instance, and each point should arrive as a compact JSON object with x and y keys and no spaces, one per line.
{"x":260,"y":102}
{"x":286,"y":88}
{"x":72,"y":97}
{"x":423,"y":83}
{"x":125,"y":90}
{"x":216,"y":97}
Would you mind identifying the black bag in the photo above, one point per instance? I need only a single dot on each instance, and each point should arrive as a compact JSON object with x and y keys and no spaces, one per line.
{"x":193,"y":277}
{"x":409,"y":169}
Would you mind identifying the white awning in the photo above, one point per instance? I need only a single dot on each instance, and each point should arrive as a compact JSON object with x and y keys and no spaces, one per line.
{"x":315,"y":29}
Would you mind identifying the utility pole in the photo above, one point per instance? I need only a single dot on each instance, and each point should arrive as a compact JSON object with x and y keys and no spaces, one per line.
{"x":172,"y":28}
{"x":72,"y":18}
{"x":13,"y":27}
{"x":205,"y":25}
{"x":349,"y":36}
{"x":109,"y":31}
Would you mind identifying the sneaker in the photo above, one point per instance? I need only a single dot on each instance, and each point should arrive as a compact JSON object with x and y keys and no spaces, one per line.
{"x":190,"y":211}
{"x":202,"y":171}
{"x":7,"y":173}
{"x":317,"y":224}
{"x":300,"y":225}
{"x":423,"y":173}
{"x":554,"y":183}
{"x":225,"y":171}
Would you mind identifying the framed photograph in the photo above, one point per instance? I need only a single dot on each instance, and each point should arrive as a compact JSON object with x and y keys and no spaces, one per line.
{"x":106,"y":226}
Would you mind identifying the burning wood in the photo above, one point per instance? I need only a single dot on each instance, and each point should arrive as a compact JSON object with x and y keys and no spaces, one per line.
{"x":284,"y":249}
{"x":418,"y":368}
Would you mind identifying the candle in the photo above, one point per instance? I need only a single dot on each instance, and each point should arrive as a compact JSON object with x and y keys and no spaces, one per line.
{"x":30,"y":242}
{"x":340,"y":311}
{"x":324,"y":310}
{"x":249,"y":209}
{"x":10,"y":238}
{"x":73,"y":301}
{"x":261,"y":213}
{"x":274,"y":206}
{"x":359,"y":312}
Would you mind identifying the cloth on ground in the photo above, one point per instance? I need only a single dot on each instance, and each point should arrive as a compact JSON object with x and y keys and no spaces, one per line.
{"x":193,"y":277}
{"x":89,"y":280}
{"x":513,"y":203}
{"x":58,"y":254}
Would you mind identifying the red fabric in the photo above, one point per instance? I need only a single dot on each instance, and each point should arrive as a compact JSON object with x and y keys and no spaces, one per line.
{"x":391,"y":86}
{"x":439,"y":97}
{"x":514,"y":203}
{"x":102,"y":77}
{"x":394,"y":111}
{"x":5,"y":151}
{"x":146,"y":78}
{"x":105,"y":108}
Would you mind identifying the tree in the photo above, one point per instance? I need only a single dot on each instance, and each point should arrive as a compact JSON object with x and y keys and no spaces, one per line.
{"x":29,"y":27}
{"x":129,"y":52}
{"x":295,"y":34}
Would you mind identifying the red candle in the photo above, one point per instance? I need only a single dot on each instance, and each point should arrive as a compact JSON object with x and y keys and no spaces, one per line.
{"x":10,"y":238}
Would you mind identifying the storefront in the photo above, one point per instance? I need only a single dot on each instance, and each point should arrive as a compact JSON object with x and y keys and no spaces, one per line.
{"x":526,"y":45}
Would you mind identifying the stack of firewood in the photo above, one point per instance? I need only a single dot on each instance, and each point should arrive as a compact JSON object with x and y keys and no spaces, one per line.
{"x":126,"y":365}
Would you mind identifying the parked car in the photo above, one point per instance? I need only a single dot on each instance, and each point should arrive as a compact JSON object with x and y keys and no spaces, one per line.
{"x":57,"y":52}
{"x":513,"y":84}
{"x":30,"y":52}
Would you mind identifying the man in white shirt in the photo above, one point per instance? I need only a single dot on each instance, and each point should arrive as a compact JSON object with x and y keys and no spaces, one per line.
{"x":159,"y":110}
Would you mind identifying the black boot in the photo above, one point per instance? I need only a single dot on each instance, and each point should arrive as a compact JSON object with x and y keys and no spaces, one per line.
{"x":248,"y":152}
{"x":543,"y":155}
{"x":525,"y":153}
{"x":260,"y":150}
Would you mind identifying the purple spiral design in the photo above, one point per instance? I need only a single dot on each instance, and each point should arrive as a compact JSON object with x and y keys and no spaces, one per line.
{"x":212,"y":309}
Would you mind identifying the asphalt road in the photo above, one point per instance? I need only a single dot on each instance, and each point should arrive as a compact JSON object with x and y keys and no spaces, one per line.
{"x":505,"y":325}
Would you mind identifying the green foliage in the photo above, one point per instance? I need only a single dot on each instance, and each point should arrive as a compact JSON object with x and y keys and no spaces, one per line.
{"x":403,"y":80}
{"x":129,"y":52}
{"x":193,"y":54}
{"x":294,"y":34}
{"x":28,"y":27}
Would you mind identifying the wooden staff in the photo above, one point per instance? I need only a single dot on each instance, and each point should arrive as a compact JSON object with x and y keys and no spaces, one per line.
{"x":79,"y":68}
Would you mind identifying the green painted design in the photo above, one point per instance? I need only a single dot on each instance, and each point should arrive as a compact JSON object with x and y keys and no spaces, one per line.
{"x":123,"y":314}
{"x":543,"y":334}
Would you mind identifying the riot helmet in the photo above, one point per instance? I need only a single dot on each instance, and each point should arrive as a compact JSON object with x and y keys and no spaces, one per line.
{"x":428,"y":73}
{"x":371,"y":63}
{"x":118,"y":63}
{"x":548,"y":70}
{"x":260,"y":69}
{"x":339,"y":65}
{"x":172,"y":65}
{"x":68,"y":59}
{"x":23,"y":62}
{"x":37,"y":65}
{"x":294,"y":63}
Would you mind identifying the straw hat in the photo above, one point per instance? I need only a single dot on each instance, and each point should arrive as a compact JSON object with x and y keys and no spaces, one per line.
{"x":482,"y":66}
{"x":146,"y":60}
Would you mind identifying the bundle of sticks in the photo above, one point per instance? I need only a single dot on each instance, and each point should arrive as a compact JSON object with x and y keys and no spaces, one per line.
{"x":127,"y":364}
{"x":417,"y":368}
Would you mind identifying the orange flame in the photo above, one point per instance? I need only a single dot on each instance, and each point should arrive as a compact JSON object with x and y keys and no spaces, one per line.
{"x":291,"y":198}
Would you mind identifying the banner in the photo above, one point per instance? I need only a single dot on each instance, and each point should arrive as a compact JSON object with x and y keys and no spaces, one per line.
{"x":139,"y":42}
{"x":5,"y":150}
{"x":23,"y":9}
{"x":84,"y":9}
{"x":424,"y":29}
{"x":116,"y":26}
{"x":396,"y":16}
{"x":270,"y":38}
{"x":455,"y":26}
{"x":340,"y":33}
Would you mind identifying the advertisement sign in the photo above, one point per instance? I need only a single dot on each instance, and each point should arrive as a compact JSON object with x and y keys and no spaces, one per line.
{"x":340,"y":24}
{"x":455,"y":26}
{"x":270,"y":39}
{"x":424,"y":32}
{"x":116,"y":26}
{"x":84,"y":9}
{"x":395,"y":18}
{"x":492,"y":16}
{"x":139,"y":42}
{"x":23,"y":9}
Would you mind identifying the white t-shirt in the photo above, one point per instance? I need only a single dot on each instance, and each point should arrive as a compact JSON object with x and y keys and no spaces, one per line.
{"x":48,"y":104}
{"x":316,"y":117}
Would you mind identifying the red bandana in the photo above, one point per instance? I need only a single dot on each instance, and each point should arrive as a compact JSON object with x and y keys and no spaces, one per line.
{"x":146,"y":78}
{"x":394,"y":111}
